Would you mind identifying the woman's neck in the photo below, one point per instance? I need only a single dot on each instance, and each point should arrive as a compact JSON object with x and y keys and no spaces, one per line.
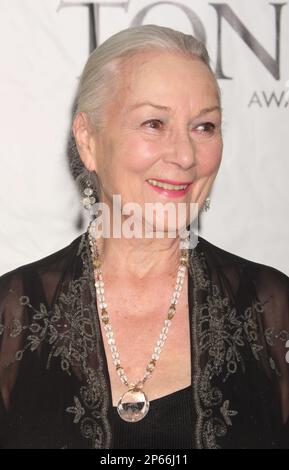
{"x":140,"y":259}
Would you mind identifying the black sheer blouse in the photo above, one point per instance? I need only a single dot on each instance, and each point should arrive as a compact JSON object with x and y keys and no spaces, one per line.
{"x":55,"y":388}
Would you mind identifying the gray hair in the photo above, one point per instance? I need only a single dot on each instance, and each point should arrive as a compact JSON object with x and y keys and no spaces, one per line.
{"x":100,"y":76}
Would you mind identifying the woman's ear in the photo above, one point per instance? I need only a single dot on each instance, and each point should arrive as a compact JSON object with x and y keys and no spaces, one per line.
{"x":85,"y":141}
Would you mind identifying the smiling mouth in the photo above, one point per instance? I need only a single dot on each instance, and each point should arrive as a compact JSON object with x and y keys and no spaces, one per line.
{"x":168,"y":186}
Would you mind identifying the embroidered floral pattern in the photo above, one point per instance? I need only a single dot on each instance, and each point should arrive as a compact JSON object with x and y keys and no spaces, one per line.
{"x":69,"y":329}
{"x":227,"y":413}
{"x":221,"y":334}
{"x":78,"y":411}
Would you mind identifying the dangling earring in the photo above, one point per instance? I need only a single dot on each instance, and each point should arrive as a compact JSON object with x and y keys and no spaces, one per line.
{"x":88,"y":200}
{"x":207,"y":204}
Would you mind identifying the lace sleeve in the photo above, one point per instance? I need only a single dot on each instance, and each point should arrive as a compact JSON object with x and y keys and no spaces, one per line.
{"x":273,"y":292}
{"x":25,"y":296}
{"x":12,"y":324}
{"x":48,"y":344}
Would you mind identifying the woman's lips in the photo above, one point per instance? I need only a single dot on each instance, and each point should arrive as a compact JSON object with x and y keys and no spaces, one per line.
{"x":171,"y":193}
{"x":177,"y":183}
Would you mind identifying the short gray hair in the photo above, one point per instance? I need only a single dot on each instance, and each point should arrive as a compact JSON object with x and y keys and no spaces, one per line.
{"x":100,"y":75}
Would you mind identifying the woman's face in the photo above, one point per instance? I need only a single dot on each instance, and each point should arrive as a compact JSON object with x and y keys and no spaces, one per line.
{"x":164,"y":124}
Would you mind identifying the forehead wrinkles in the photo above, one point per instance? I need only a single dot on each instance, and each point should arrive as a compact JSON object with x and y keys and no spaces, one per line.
{"x":130,"y":68}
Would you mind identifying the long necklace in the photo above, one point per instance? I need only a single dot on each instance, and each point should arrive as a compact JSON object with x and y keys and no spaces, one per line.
{"x":134,"y":405}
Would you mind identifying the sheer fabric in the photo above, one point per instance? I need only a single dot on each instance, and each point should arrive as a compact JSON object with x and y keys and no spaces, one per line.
{"x":55,"y":388}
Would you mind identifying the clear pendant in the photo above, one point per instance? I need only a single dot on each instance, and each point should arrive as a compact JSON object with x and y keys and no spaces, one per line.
{"x":133,"y":405}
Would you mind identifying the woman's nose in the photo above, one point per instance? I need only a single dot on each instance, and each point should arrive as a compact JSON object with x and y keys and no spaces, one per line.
{"x":182,"y":151}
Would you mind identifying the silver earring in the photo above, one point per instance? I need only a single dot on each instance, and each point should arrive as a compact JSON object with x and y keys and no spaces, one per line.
{"x":88,"y":199}
{"x":207,"y":204}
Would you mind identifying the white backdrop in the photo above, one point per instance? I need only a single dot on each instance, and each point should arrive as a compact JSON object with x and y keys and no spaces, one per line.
{"x":44,"y":45}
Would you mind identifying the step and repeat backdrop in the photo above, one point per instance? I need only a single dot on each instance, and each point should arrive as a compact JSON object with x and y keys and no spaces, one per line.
{"x":43,"y":48}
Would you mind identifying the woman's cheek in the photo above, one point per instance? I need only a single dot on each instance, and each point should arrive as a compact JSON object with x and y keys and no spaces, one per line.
{"x":141,"y":154}
{"x":210,"y":158}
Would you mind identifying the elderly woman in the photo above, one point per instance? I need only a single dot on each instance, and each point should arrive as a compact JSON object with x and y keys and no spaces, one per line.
{"x":141,"y":342}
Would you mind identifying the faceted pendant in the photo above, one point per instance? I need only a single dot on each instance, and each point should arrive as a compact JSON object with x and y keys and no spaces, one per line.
{"x":133,"y":405}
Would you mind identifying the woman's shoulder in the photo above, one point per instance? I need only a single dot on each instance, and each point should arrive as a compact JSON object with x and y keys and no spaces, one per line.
{"x":41,"y":274}
{"x":260,"y":294}
{"x":47,"y":262}
{"x":252,"y":299}
{"x":247,"y":282}
{"x":233,"y":265}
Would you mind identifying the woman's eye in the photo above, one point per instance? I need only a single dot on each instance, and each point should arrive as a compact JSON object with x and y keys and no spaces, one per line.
{"x":206,"y":128}
{"x":153,"y":124}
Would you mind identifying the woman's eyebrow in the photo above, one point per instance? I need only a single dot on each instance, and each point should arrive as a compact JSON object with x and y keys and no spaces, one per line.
{"x":148,"y":103}
{"x":209,"y":110}
{"x":167,"y":108}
